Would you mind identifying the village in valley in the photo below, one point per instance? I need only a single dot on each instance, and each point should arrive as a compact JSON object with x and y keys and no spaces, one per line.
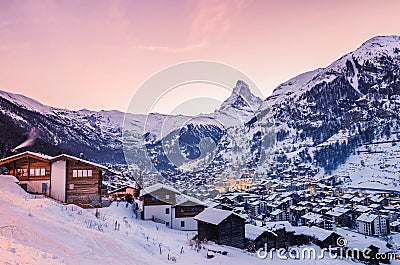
{"x":273,"y":213}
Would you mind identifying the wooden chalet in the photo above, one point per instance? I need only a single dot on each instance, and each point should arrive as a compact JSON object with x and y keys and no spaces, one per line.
{"x":64,"y":178}
{"x":31,"y":169}
{"x":76,"y":181}
{"x":222,"y":227}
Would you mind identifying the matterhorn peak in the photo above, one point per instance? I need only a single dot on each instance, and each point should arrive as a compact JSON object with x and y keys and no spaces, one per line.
{"x":241,"y":88}
{"x":242,"y":98}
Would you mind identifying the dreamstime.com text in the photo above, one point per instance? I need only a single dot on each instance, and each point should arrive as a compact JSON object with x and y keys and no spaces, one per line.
{"x":312,"y":253}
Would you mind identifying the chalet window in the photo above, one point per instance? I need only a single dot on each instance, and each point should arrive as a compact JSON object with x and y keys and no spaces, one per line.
{"x":194,"y":209}
{"x":182,"y":223}
{"x":167,"y":196}
{"x":166,"y":210}
{"x":79,"y":173}
{"x":71,"y":186}
{"x":23,"y":172}
{"x":37,"y":171}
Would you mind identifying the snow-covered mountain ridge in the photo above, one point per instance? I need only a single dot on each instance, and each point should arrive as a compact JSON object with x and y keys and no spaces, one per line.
{"x":333,"y":116}
{"x":322,"y":120}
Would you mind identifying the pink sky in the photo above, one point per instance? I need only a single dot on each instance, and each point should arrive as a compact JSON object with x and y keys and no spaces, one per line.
{"x":94,"y":54}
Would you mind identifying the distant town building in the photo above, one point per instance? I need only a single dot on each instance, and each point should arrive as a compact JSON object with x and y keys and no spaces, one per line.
{"x":372,"y":224}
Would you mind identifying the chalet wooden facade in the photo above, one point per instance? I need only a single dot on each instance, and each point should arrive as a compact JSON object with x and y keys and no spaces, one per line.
{"x":76,"y":181}
{"x":65,"y":178}
{"x":222,"y":227}
{"x":31,"y":169}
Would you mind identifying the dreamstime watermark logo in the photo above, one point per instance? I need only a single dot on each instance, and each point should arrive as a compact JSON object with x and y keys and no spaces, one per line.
{"x":340,"y":250}
{"x":341,"y":242}
{"x":191,"y":151}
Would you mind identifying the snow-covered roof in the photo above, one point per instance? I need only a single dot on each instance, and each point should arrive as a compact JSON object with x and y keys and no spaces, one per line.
{"x":313,"y":217}
{"x":367,"y":217}
{"x":362,"y":208}
{"x":39,"y":155}
{"x":377,"y":198}
{"x":273,"y":226}
{"x":337,"y":211}
{"x":212,"y":204}
{"x":347,"y":196}
{"x":188,"y":200}
{"x":276,"y":212}
{"x":374,"y":206}
{"x":80,"y":160}
{"x":395,"y":223}
{"x":156,"y":187}
{"x":251,"y":232}
{"x":357,"y":199}
{"x":316,"y":232}
{"x":214,"y":216}
{"x":299,"y":208}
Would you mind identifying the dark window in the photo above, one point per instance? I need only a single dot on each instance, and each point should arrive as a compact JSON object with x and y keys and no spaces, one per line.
{"x":182,"y":223}
{"x":166,"y":210}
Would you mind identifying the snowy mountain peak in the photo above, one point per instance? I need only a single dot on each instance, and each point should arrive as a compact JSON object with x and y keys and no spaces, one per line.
{"x":378,"y":46}
{"x":23,"y":101}
{"x":241,"y":88}
{"x":382,"y":41}
{"x":242,"y":99}
{"x":370,"y":57}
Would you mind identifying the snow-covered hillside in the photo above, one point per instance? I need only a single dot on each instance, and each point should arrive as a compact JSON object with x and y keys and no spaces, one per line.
{"x":37,"y":230}
{"x":341,"y":116}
